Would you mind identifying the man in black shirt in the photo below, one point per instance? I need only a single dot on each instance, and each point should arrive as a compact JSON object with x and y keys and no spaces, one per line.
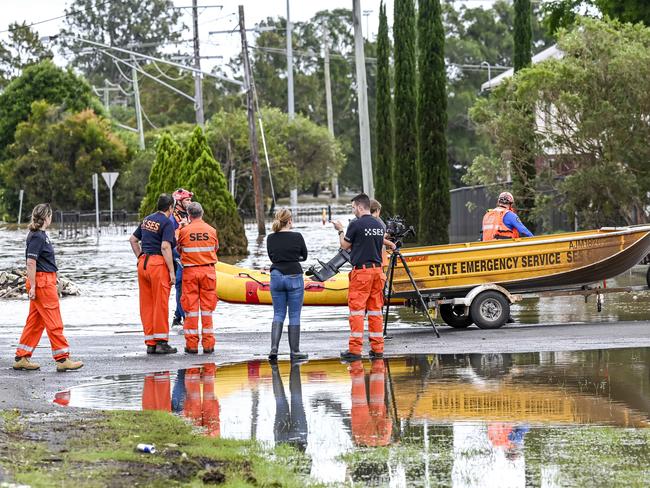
{"x":364,"y":239}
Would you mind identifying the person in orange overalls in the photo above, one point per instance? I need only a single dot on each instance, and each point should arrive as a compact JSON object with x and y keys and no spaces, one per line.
{"x":502,"y":222}
{"x":197,"y":246}
{"x":364,"y":239}
{"x":44,"y":311}
{"x":369,"y":417}
{"x":179,"y":219}
{"x":152,"y":243}
{"x":156,"y":393}
{"x":202,"y":409}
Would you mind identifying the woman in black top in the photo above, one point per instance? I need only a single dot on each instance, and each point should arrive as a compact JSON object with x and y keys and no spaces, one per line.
{"x":286,"y":250}
{"x":41,"y":286}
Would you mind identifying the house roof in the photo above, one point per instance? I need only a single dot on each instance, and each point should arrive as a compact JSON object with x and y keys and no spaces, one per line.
{"x":548,"y":53}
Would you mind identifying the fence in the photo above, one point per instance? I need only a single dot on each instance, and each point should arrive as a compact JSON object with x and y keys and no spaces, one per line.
{"x":302,"y":214}
{"x":82,"y":224}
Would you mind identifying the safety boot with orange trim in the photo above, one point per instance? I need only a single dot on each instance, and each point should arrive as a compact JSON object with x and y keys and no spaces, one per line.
{"x":24,"y":364}
{"x":68,"y":364}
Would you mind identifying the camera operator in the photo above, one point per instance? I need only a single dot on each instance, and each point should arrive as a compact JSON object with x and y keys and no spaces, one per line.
{"x":364,"y":239}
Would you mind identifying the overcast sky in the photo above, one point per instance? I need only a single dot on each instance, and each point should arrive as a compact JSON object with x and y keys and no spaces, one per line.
{"x":210,"y":19}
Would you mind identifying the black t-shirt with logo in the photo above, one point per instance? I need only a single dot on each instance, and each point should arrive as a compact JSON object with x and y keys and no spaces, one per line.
{"x":366,"y":234}
{"x":39,"y":248}
{"x":153,"y":230}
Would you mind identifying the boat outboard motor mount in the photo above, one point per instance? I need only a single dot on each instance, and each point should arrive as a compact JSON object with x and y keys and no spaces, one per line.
{"x":330,"y":268}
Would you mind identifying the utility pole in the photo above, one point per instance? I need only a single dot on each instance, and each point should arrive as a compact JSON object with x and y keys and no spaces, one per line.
{"x":290,"y":105}
{"x":362,"y":96}
{"x":198,"y":88}
{"x":138,"y":108}
{"x":250,"y":103}
{"x":328,"y":102}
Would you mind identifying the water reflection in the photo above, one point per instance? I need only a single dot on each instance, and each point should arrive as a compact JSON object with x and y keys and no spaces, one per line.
{"x":464,"y":420}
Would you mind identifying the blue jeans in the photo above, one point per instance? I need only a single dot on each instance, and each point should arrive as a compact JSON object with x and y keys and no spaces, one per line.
{"x":287,"y":291}
{"x":180,"y":313}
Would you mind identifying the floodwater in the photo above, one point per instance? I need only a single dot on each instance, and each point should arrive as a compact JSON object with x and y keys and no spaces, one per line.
{"x":105,"y":269}
{"x":509,"y":420}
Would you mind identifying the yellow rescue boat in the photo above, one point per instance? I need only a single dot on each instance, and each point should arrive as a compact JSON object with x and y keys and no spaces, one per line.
{"x":242,"y":285}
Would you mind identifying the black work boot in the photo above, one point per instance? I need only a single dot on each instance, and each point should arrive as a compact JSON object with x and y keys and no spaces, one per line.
{"x":294,"y":344}
{"x":348,"y":357}
{"x":376,"y":355}
{"x":151,"y":349}
{"x":276,"y":334}
{"x":164,"y":348}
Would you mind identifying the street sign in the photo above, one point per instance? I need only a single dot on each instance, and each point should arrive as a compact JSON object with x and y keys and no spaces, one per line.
{"x":110,"y":179}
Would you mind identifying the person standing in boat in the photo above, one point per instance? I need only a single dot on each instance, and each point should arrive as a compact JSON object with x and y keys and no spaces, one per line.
{"x":502,"y":222}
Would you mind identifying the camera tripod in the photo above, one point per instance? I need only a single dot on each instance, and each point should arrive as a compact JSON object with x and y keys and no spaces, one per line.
{"x":388,"y":290}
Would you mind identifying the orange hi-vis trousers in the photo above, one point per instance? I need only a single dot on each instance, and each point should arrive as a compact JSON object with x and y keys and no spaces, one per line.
{"x":153,"y":282}
{"x":366,"y":295}
{"x":202,"y":410}
{"x":199,"y":300}
{"x":44,"y":314}
{"x":369,"y":418}
{"x":157,"y":392}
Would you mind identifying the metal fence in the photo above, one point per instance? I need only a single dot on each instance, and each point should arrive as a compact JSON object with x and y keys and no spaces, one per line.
{"x":303,"y":214}
{"x":73,"y":224}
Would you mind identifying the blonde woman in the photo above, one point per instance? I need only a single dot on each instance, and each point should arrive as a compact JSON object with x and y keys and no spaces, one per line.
{"x":44,"y":312}
{"x":286,"y":250}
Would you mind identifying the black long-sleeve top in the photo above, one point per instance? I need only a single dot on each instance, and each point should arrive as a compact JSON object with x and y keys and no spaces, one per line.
{"x":286,"y":250}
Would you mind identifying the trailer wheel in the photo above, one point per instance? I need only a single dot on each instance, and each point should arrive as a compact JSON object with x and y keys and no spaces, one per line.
{"x":454,"y":317}
{"x":490,"y":309}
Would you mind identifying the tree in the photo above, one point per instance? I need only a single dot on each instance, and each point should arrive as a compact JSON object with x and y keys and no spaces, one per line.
{"x":180,"y":171}
{"x":523,"y":179}
{"x":54,"y":156}
{"x":405,"y":164}
{"x":564,"y":13}
{"x":168,"y":154}
{"x":592,"y":145}
{"x":43,"y":81}
{"x":23,"y":49}
{"x":435,"y":203}
{"x":144,"y":25}
{"x":383,"y":167}
{"x":211,"y":190}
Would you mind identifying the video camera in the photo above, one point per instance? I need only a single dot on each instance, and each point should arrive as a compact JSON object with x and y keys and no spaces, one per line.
{"x":397,"y":230}
{"x":329,"y":269}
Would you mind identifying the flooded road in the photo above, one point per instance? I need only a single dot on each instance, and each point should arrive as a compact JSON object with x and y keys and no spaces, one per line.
{"x":535,"y":419}
{"x":105,"y":269}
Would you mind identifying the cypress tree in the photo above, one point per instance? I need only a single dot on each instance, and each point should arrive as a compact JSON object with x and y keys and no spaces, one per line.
{"x":384,"y":183}
{"x":523,"y":159}
{"x":405,"y":161}
{"x":157,"y":183}
{"x":210,"y":188}
{"x":435,"y":204}
{"x":181,"y":170}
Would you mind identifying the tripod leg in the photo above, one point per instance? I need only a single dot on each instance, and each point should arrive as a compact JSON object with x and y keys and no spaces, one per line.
{"x":415,"y":287}
{"x":389,"y":290}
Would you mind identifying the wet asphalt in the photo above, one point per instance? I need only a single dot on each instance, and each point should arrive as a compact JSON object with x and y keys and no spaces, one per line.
{"x":116,"y":354}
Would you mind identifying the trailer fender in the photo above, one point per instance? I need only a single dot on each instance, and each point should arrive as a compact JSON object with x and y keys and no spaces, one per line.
{"x":469,"y":298}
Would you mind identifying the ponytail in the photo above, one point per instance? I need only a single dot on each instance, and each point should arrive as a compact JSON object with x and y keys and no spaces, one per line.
{"x":281,"y":219}
{"x":40,"y":214}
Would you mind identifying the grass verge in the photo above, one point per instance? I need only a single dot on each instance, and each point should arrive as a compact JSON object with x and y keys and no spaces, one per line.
{"x":100,"y":451}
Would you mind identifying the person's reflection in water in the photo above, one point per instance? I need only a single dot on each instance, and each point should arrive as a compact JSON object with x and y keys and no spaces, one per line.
{"x":156,"y":393}
{"x":178,"y":393}
{"x":370,"y":423}
{"x":202,"y":410}
{"x":507,"y":437}
{"x":290,"y":426}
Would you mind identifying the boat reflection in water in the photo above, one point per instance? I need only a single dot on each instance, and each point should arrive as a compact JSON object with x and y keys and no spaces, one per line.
{"x":463,"y":420}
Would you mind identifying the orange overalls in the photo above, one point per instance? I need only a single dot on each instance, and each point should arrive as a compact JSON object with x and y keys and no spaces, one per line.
{"x":370,"y":423}
{"x":202,"y":410}
{"x":494,"y":228}
{"x":366,"y":295}
{"x":44,"y":313}
{"x":157,"y":392}
{"x":153,"y":282}
{"x":197,"y":245}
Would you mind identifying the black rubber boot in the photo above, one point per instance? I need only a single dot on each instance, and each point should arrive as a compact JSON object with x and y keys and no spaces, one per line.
{"x":276,"y":334}
{"x":164,"y":348}
{"x":294,"y":344}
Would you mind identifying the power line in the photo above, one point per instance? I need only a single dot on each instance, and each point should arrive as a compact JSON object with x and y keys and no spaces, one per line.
{"x":54,"y":18}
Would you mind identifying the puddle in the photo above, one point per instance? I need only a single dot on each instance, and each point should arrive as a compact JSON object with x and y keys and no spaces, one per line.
{"x":535,"y":419}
